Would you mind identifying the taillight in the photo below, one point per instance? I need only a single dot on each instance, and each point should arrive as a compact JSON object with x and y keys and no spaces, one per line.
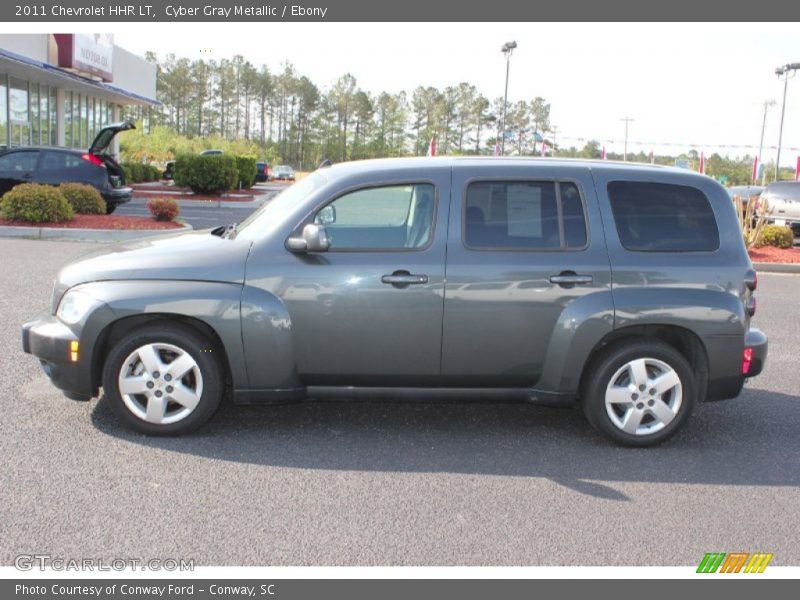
{"x":96,"y":161}
{"x":747,"y":358}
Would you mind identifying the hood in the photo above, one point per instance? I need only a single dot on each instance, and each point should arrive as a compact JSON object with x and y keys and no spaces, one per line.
{"x":195,"y":255}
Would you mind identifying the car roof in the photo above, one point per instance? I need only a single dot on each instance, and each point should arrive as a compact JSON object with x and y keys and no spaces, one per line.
{"x":53,"y":148}
{"x":418,"y":162}
{"x":788,"y":188}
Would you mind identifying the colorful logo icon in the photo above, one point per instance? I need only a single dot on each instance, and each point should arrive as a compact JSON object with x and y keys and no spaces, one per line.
{"x":734,"y":562}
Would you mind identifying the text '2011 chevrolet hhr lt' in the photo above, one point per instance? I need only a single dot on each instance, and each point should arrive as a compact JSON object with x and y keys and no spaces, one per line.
{"x":624,"y":287}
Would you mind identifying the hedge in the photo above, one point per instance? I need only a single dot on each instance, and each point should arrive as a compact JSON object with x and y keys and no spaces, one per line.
{"x":138,"y":172}
{"x":246,"y":166}
{"x":35,"y":203}
{"x":84,"y":199}
{"x":780,"y":236}
{"x":211,"y":174}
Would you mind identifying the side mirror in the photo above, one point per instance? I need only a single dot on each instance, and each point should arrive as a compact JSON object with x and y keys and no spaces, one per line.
{"x":313,"y":239}
{"x":327,"y":216}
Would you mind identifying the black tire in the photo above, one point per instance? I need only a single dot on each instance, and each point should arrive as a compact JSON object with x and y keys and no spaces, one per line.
{"x":608,"y":363}
{"x":110,"y":208}
{"x":193,"y":344}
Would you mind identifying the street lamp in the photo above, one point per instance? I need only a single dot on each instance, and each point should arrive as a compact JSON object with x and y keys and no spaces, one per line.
{"x":507,"y":49}
{"x":783,"y":72}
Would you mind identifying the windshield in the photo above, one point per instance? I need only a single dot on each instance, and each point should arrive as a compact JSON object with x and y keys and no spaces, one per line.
{"x":273,"y":214}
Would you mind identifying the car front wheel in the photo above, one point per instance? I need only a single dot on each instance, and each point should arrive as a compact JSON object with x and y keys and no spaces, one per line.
{"x":639,"y":393}
{"x":163,"y":380}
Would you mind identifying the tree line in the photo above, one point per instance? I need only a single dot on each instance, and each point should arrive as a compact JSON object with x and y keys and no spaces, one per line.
{"x":295,"y":120}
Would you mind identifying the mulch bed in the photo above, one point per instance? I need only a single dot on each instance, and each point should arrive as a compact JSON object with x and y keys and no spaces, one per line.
{"x":770,"y":254}
{"x":161,"y":190}
{"x":100,"y":222}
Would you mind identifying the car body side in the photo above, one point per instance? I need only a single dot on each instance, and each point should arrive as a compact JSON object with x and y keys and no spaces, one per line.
{"x":281,"y":337}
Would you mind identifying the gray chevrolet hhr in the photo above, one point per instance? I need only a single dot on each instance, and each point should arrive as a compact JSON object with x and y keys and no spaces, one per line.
{"x":625,"y":287}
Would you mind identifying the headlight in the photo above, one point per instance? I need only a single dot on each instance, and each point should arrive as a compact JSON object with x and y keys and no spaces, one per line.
{"x":74,"y":306}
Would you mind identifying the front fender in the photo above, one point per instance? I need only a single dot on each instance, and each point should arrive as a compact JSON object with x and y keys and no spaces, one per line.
{"x":215,"y":304}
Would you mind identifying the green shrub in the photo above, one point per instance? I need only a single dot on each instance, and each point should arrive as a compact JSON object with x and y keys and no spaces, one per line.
{"x":780,"y":236}
{"x":163,"y":209}
{"x":35,"y":203}
{"x":246,"y":165}
{"x":212,"y":174}
{"x":138,"y":172}
{"x":84,"y":199}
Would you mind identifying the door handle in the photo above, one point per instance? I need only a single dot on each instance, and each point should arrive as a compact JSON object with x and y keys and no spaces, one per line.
{"x":404,"y":278}
{"x":570,"y":278}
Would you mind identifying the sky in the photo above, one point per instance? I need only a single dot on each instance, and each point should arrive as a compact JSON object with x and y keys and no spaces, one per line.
{"x":695,"y":85}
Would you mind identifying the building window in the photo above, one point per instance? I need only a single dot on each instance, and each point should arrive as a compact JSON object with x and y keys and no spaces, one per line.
{"x":3,"y":111}
{"x":68,"y":119}
{"x":19,"y":122}
{"x":34,"y":105}
{"x":53,"y":117}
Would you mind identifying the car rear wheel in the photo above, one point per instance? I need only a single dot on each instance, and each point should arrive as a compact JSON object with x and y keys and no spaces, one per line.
{"x":639,"y":393}
{"x":163,"y":380}
{"x":110,"y":208}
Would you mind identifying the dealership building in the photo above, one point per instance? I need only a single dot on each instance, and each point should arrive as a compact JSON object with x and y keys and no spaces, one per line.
{"x":60,"y":89}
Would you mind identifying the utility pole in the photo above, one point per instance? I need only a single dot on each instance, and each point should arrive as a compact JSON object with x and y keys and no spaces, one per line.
{"x":767,"y":104}
{"x":625,"y":151}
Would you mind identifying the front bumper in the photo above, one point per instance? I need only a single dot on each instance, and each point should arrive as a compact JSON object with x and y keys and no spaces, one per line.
{"x":49,"y":340}
{"x":757,"y":341}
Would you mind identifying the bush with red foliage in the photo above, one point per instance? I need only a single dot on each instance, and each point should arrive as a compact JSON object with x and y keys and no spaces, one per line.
{"x":163,"y":209}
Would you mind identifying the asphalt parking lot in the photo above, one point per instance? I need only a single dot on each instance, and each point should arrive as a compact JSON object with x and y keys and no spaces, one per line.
{"x":374,"y":483}
{"x":205,"y":215}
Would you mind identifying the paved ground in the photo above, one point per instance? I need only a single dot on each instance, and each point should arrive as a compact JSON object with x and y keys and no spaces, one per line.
{"x":372,"y":483}
{"x":203,"y":215}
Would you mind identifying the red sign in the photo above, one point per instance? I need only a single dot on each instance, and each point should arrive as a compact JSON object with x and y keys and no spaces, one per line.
{"x":87,"y":53}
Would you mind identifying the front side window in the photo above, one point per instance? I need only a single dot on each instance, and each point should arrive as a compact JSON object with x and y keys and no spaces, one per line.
{"x":524,"y":215}
{"x":395,"y":217}
{"x":19,"y":162}
{"x":662,"y":217}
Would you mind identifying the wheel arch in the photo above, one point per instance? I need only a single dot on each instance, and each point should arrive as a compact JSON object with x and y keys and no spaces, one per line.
{"x":682,"y":339}
{"x":118,"y":329}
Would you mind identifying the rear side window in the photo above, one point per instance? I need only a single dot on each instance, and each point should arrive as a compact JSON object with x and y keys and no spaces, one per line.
{"x":53,"y":161}
{"x":524,"y":215}
{"x":662,"y":217}
{"x":20,"y":162}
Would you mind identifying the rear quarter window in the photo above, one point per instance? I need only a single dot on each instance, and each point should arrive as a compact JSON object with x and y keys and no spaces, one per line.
{"x":662,"y":217}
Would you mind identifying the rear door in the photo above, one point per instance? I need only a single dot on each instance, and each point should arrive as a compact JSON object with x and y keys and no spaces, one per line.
{"x":17,"y":166}
{"x":105,"y":136}
{"x":519,"y":255}
{"x":57,"y":166}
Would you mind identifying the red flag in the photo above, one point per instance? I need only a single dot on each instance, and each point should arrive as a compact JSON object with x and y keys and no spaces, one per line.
{"x":603,"y":153}
{"x":755,"y":168}
{"x":702,"y":163}
{"x":432,"y":147}
{"x":652,"y":158}
{"x":797,"y":170}
{"x":543,"y":149}
{"x":497,"y":149}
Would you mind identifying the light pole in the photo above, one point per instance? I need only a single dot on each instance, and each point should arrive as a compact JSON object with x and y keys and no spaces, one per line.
{"x":625,"y":151}
{"x":783,"y":71}
{"x":767,"y":104}
{"x":507,"y":49}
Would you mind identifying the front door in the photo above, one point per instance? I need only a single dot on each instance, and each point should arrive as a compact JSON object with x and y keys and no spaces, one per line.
{"x":368,"y":312}
{"x":519,"y":259}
